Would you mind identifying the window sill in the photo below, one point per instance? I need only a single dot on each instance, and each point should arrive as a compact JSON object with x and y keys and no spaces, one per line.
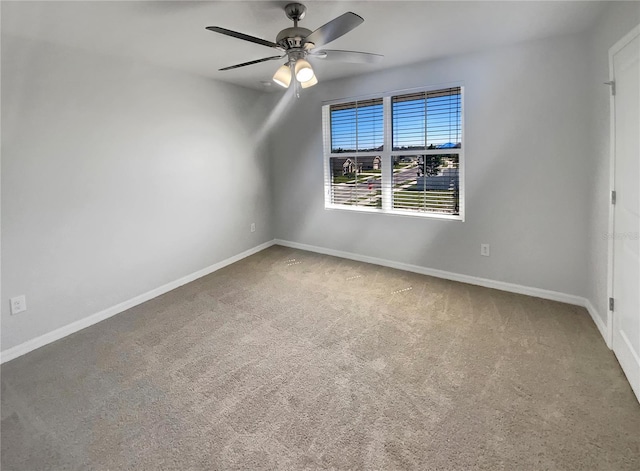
{"x":395,"y":212}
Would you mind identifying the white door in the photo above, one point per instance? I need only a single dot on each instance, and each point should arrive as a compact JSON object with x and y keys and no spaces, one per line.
{"x":625,"y":73}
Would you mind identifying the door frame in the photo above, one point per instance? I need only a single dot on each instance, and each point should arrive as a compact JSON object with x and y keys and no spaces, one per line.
{"x":617,"y":47}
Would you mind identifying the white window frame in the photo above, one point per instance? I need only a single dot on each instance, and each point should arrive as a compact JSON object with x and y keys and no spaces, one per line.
{"x":387,"y":155}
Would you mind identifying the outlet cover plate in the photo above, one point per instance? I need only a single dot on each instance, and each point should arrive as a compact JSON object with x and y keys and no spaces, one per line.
{"x":18,"y":304}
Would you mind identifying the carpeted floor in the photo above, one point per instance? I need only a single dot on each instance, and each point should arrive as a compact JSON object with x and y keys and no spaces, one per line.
{"x":293,"y":360}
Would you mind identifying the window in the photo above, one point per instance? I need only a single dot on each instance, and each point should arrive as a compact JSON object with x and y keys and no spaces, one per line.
{"x":357,"y":134}
{"x":400,"y":153}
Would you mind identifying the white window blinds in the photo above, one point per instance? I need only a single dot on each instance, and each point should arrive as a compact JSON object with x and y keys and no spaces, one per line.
{"x":427,"y":120}
{"x":357,"y":126}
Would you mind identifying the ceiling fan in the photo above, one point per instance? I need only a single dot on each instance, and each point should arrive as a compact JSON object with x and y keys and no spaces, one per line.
{"x":297,"y":44}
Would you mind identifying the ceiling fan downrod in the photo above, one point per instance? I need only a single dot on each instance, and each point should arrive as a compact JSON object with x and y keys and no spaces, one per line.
{"x":293,"y":38}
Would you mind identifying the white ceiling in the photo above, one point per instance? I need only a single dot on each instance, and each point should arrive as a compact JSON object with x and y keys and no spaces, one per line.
{"x":172,"y":33}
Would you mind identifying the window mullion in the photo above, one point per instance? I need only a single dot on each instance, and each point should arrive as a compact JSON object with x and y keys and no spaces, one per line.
{"x":326,"y":126}
{"x":387,"y":164}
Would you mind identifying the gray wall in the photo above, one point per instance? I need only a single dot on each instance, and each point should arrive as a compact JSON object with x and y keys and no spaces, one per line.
{"x":527,"y":182}
{"x":118,"y":178}
{"x":618,"y":19}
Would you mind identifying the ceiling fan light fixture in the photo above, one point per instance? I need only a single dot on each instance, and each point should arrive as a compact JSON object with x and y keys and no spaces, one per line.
{"x":310,"y":83}
{"x":303,"y":70}
{"x":283,"y":76}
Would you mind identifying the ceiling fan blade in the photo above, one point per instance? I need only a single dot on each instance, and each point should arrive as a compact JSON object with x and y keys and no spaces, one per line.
{"x":272,"y":58}
{"x":348,"y":56}
{"x":246,"y":37}
{"x":334,"y":29}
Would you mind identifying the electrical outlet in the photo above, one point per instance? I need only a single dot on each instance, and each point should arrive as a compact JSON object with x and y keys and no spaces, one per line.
{"x":484,"y":250}
{"x":18,"y":304}
{"x":253,"y":227}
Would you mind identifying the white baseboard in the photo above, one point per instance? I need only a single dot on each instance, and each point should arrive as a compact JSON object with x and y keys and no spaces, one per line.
{"x":62,"y":332}
{"x":473,"y":280}
{"x":597,"y":320}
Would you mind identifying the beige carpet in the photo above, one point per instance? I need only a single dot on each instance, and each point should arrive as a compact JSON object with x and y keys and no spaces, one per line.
{"x":292,"y":360}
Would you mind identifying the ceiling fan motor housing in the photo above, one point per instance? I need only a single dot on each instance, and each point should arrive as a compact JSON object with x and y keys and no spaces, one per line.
{"x":292,"y":38}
